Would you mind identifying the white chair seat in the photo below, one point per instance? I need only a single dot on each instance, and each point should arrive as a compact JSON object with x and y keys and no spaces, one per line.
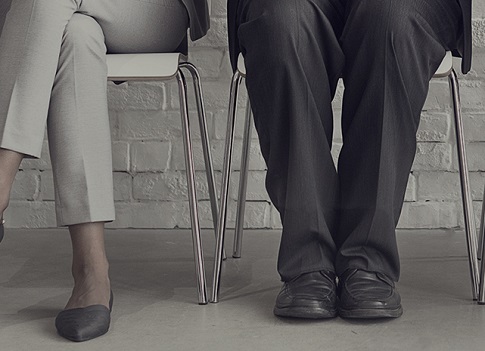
{"x":241,"y":67}
{"x":143,"y":66}
{"x":443,"y":70}
{"x":446,"y":65}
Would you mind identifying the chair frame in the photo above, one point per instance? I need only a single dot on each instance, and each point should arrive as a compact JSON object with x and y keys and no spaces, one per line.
{"x":189,"y":162}
{"x":475,"y":249}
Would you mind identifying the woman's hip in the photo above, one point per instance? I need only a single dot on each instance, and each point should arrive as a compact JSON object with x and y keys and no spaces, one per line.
{"x":139,"y":25}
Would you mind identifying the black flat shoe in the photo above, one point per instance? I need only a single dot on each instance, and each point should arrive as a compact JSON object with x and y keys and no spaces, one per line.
{"x":368,"y":295}
{"x":2,"y":229}
{"x":310,"y":295}
{"x":82,"y":324}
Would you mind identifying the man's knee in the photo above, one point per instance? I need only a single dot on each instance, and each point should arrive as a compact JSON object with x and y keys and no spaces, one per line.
{"x":84,"y":31}
{"x":273,"y":21}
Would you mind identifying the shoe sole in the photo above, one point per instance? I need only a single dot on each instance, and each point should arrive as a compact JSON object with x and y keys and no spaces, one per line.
{"x":370,"y":313}
{"x":305,"y":312}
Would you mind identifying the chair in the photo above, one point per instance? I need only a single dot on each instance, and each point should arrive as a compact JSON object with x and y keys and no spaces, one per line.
{"x":167,"y":66}
{"x":159,"y":67}
{"x":445,"y":70}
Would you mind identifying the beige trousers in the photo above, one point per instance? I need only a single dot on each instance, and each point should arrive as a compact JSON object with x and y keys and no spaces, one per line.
{"x":53,"y":72}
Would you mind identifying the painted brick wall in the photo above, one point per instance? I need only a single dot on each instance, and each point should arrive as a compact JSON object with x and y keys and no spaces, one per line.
{"x":150,"y":186}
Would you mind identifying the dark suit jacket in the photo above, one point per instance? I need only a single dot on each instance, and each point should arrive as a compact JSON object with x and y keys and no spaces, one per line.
{"x":199,"y":17}
{"x":465,"y":49}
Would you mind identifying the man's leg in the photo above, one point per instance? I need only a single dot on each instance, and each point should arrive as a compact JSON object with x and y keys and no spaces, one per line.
{"x":392,"y":49}
{"x":293,"y":62}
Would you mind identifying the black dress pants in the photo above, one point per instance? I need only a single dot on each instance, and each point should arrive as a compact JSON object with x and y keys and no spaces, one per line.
{"x":386,"y":51}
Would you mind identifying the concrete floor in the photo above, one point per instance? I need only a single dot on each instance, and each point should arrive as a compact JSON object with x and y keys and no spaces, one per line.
{"x":155,"y":305}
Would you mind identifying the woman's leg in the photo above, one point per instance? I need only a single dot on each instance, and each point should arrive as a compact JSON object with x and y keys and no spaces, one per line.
{"x":33,"y":32}
{"x":89,"y":266}
{"x":136,"y":26}
{"x":30,"y":43}
{"x":10,"y":162}
{"x":78,"y":125}
{"x":80,"y":148}
{"x":30,"y":32}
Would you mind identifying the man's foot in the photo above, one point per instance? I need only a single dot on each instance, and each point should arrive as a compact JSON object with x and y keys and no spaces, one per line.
{"x":310,"y":295}
{"x":368,"y":295}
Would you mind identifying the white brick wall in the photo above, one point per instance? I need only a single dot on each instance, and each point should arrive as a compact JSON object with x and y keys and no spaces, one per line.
{"x":148,"y":163}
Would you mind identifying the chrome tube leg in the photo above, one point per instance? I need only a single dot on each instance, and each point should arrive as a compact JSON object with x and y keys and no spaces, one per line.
{"x":481,"y":233}
{"x":226,"y":172}
{"x":470,"y":228}
{"x":205,"y":142}
{"x":481,"y":292}
{"x":482,"y":229}
{"x":243,"y":183}
{"x":190,"y":170}
{"x":205,"y":139}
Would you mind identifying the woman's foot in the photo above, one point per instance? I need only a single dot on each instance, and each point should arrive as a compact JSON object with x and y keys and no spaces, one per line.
{"x":91,"y":287}
{"x":9,"y":165}
{"x":87,"y":314}
{"x":89,"y":266}
{"x":83,"y":324}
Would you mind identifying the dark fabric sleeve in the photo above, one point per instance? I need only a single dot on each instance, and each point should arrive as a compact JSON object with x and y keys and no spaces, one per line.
{"x":466,"y":50}
{"x":198,"y":11}
{"x":234,"y":49}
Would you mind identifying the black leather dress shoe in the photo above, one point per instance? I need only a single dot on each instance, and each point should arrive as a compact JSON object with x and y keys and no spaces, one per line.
{"x":2,"y":229}
{"x":310,"y":295}
{"x":82,"y":324}
{"x":368,"y":295}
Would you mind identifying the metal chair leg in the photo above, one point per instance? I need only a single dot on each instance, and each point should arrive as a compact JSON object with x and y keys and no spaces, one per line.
{"x":194,"y":216}
{"x":243,"y":184}
{"x":205,"y":139}
{"x":226,"y":172}
{"x":481,"y":233}
{"x":470,"y":228}
{"x":481,"y":255}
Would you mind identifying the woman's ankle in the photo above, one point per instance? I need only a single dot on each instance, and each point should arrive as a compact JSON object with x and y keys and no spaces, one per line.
{"x":9,"y":166}
{"x":98,"y":268}
{"x":3,"y":207}
{"x":89,"y":290}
